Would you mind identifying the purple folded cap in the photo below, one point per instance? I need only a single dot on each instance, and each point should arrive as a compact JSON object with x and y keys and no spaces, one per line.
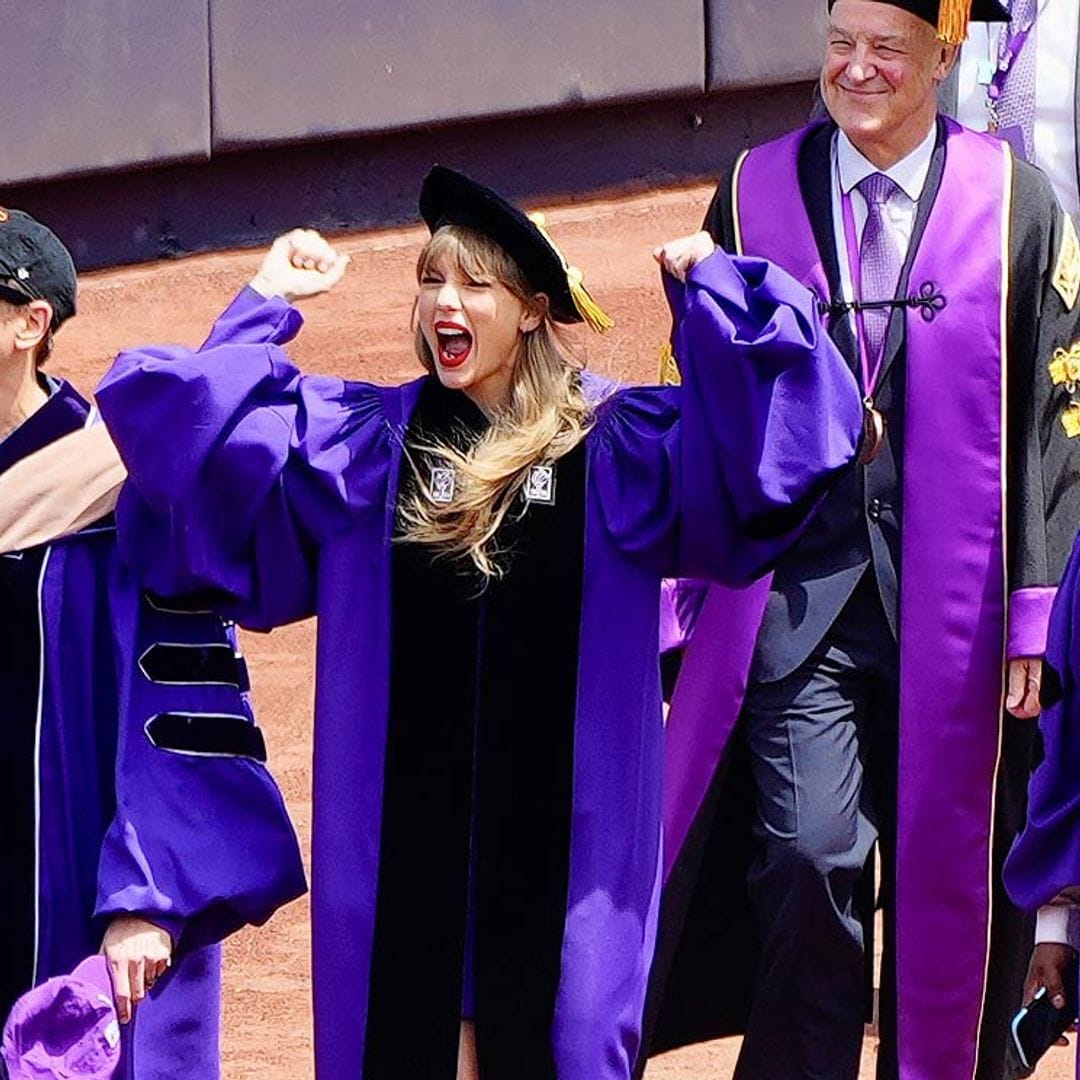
{"x":65,"y":1029}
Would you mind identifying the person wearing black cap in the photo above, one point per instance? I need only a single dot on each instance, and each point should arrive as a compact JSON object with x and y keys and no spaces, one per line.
{"x":101,"y":847}
{"x":915,"y":605}
{"x":484,"y":549}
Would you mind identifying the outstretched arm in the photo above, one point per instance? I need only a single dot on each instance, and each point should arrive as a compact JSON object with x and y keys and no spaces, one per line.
{"x":240,"y":467}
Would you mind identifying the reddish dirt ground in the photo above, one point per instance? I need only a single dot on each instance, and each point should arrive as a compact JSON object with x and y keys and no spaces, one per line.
{"x":362,"y":331}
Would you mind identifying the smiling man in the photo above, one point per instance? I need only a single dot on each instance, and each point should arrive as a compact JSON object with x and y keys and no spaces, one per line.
{"x":912,"y":614}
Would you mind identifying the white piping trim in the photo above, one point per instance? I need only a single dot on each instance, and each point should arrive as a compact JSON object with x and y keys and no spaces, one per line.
{"x":736,"y":208}
{"x":37,"y":763}
{"x":174,"y":611}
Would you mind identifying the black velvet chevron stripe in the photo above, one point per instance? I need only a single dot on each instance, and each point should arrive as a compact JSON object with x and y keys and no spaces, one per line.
{"x":189,"y":665}
{"x":218,"y":735}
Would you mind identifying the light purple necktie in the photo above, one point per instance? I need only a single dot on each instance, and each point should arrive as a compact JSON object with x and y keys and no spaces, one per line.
{"x":880,"y":261}
{"x":1016,"y":106}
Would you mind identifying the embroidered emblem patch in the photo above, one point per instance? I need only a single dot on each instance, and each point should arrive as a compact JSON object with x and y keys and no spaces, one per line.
{"x":1067,"y":272}
{"x":1065,"y":371}
{"x":540,"y":485}
{"x":1065,"y":367}
{"x":443,"y":482}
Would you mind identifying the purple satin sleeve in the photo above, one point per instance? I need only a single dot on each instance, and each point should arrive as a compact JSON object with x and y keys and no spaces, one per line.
{"x":716,"y":478}
{"x":1029,"y":618}
{"x":200,"y":843}
{"x":771,"y":414}
{"x":254,"y":319}
{"x":240,"y":467}
{"x":1045,"y":859}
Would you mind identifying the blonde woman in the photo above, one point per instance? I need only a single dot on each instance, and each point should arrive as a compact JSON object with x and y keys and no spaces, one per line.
{"x":484,"y":547}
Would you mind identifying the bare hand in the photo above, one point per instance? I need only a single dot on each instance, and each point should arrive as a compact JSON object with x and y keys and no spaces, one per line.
{"x":139,"y":953}
{"x":1025,"y":678}
{"x":1047,"y":968}
{"x":679,"y":257}
{"x":301,"y":263}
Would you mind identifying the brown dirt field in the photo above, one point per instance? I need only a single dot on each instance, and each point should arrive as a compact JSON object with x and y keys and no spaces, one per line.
{"x":363,"y":331}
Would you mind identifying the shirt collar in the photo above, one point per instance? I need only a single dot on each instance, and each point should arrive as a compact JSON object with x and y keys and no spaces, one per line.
{"x":909,"y":173}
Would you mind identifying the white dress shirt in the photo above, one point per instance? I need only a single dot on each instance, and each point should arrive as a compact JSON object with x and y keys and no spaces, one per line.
{"x":1058,"y":924}
{"x":849,"y":168}
{"x":1054,"y":38}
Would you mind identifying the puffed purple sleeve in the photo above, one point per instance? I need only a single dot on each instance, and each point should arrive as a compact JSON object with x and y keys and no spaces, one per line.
{"x":200,"y":842}
{"x":239,"y":466}
{"x":716,"y":478}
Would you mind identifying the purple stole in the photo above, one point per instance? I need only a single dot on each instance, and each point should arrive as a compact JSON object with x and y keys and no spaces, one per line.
{"x":952,"y":592}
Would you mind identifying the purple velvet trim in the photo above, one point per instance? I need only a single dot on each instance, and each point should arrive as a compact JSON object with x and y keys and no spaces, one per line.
{"x":1029,"y":620}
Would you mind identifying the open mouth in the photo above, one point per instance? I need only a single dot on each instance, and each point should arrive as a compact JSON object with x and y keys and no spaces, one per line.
{"x":454,"y":344}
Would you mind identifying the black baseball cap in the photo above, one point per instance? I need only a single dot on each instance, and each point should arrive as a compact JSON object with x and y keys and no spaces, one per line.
{"x":448,"y":197}
{"x":950,"y":17}
{"x":35,"y":265}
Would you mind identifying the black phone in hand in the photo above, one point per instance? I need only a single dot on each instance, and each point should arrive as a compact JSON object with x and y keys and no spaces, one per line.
{"x":1038,"y":1026}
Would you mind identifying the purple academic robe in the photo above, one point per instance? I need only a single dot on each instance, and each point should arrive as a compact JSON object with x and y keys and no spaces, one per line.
{"x":277,"y":491}
{"x":122,"y":798}
{"x":1045,"y":859}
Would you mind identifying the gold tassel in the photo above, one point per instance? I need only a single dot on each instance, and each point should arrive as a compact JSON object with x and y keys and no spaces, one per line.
{"x":953,"y":18}
{"x":1070,"y":420}
{"x":587,"y":307}
{"x":670,"y":375}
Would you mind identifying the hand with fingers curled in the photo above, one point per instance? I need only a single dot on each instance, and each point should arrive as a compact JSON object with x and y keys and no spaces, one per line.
{"x":299,"y":264}
{"x":1024,"y":684}
{"x":139,"y":953}
{"x":679,"y":257}
{"x":1047,"y":968}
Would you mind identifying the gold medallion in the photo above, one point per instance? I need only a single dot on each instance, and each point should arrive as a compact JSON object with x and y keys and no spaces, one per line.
{"x":873,"y":433}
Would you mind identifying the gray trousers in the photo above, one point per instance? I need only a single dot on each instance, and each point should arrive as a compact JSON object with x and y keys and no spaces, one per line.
{"x":823,"y":744}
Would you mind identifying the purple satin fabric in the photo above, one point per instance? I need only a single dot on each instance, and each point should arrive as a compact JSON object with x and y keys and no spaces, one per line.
{"x":714,"y":675}
{"x":953,"y":600}
{"x":681,"y":600}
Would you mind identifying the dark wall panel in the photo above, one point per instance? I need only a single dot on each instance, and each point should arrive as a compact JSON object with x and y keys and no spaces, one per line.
{"x":286,"y":71}
{"x":102,"y":84}
{"x":245,"y":198}
{"x":764,"y":42}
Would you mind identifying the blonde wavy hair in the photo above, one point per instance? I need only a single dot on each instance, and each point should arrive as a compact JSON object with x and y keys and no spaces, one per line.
{"x":545,"y":417}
